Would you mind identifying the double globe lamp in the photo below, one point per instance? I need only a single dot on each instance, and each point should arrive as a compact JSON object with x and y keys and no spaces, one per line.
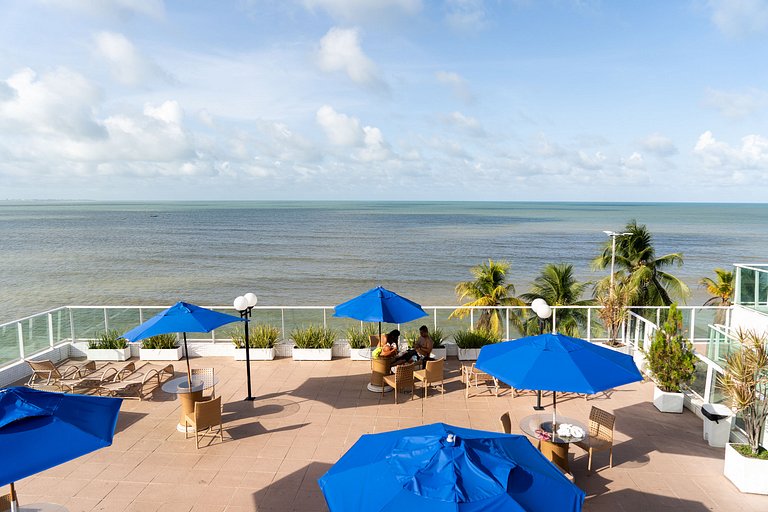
{"x":244,"y":305}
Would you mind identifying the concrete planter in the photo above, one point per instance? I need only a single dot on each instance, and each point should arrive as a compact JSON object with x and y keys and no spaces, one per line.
{"x":255,"y":354}
{"x":161,"y":354}
{"x":439,"y":353}
{"x":468,"y":354}
{"x":108,"y":354}
{"x":668,"y":402}
{"x":360,"y":354}
{"x":312,"y":354}
{"x":746,"y":473}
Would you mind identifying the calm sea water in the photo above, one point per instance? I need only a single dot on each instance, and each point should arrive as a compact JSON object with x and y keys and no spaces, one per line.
{"x":321,"y":253}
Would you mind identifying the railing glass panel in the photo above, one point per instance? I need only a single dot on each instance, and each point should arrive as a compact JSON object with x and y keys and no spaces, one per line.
{"x":88,"y":322}
{"x":9,"y":343}
{"x":62,"y":328}
{"x":36,"y":334}
{"x":123,"y":319}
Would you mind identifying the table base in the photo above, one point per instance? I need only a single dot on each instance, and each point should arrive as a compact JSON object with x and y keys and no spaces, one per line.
{"x":557,"y":453}
{"x":188,"y":407}
{"x":379,"y":389}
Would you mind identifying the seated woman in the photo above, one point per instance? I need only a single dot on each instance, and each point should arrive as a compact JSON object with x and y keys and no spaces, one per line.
{"x":422,"y":348}
{"x":388,"y":343}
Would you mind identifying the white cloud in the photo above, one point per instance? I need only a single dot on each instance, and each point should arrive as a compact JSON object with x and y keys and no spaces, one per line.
{"x":126,"y":64}
{"x":736,"y":18}
{"x":458,"y":85}
{"x":634,"y":161}
{"x":659,"y":145}
{"x":736,"y":104}
{"x":720,"y":156}
{"x":117,"y":8}
{"x":466,"y":15}
{"x":590,"y":161}
{"x":467,"y":124}
{"x":358,"y":11}
{"x":340,"y":50}
{"x":340,"y":129}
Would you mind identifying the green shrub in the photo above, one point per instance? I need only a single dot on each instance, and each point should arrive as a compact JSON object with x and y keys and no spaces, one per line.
{"x":358,"y":338}
{"x":437,"y":338}
{"x":313,"y":337}
{"x":671,"y":357}
{"x":108,"y":339}
{"x":259,"y":336}
{"x":475,"y":339}
{"x":161,"y":341}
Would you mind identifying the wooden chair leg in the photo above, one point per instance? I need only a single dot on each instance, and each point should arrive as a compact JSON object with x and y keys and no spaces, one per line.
{"x":589,"y":465}
{"x":221,"y":431}
{"x":610,"y":457}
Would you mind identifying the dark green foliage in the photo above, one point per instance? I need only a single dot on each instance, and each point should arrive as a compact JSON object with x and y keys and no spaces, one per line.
{"x":671,"y":357}
{"x":110,"y":339}
{"x":313,"y":337}
{"x":161,"y":341}
{"x":475,"y":339}
{"x":259,"y":336}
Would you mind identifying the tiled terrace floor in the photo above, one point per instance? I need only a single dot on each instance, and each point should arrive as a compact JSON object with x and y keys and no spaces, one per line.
{"x":308,"y":413}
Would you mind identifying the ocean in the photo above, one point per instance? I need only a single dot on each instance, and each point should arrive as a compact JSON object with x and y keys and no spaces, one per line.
{"x":322,"y":253}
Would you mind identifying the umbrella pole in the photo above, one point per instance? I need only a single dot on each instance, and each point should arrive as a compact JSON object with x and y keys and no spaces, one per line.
{"x":554,"y":411}
{"x":186,"y":356}
{"x":14,"y":503}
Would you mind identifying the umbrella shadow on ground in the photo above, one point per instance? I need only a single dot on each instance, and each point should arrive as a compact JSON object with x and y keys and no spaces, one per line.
{"x":126,"y":419}
{"x":259,"y":409}
{"x":631,"y":499}
{"x":297,"y":491}
{"x":649,"y":430}
{"x":255,"y":428}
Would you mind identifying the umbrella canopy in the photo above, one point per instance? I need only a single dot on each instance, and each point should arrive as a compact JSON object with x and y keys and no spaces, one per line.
{"x":555,"y":362}
{"x":380,"y":305}
{"x":440,"y":467}
{"x":40,"y":429}
{"x":181,"y":317}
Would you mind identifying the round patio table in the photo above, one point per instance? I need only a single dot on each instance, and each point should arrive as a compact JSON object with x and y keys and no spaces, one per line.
{"x":188,"y":395}
{"x":556,"y":447}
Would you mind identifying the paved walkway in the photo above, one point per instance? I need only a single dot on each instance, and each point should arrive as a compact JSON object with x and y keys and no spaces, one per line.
{"x":308,"y":413}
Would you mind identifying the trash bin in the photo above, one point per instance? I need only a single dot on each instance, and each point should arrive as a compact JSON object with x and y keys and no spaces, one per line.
{"x":717,"y":424}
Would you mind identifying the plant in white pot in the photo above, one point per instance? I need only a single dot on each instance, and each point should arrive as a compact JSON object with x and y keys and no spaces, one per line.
{"x":470,"y":342}
{"x":313,"y":343}
{"x":745,"y":385}
{"x":359,"y":342}
{"x":671,"y":361}
{"x":108,"y":346}
{"x":163,"y":347}
{"x":261,"y":342}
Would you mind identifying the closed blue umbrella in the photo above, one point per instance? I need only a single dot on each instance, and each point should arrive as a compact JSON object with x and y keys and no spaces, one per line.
{"x":440,"y":467}
{"x":380,"y":305}
{"x":556,"y":362}
{"x":181,"y":317}
{"x":40,"y":429}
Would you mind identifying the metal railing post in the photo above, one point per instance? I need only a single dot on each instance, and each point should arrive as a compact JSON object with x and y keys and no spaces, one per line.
{"x":506,"y":321}
{"x":282,"y":323}
{"x":708,"y":385}
{"x":21,"y":340}
{"x":693,"y":325}
{"x":50,"y":330}
{"x":589,"y":325}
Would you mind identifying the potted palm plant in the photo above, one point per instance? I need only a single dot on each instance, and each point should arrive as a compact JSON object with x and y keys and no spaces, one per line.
{"x":671,"y":361}
{"x":313,"y":343}
{"x":745,"y":385}
{"x":108,"y":346}
{"x":261,"y":342}
{"x":359,"y":342}
{"x":470,"y":342}
{"x":163,"y":347}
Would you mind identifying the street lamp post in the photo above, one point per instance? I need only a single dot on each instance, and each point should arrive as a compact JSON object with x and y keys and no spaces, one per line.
{"x":244,"y":305}
{"x":613,"y":236}
{"x":543,"y":311}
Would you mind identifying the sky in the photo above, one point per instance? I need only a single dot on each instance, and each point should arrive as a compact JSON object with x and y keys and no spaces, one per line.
{"x":513,"y":100}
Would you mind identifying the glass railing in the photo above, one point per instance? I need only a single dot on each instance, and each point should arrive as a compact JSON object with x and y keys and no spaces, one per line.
{"x":751,"y":288}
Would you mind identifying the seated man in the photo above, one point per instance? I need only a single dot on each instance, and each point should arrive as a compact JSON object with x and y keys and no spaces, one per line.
{"x":422,"y":348}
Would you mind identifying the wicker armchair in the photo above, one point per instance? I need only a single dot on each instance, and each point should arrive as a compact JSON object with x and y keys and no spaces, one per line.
{"x":206,"y":420}
{"x":432,"y":375}
{"x":401,"y":380}
{"x":600,"y":437}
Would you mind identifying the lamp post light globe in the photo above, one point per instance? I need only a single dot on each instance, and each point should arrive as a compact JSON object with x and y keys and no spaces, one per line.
{"x":244,"y":304}
{"x":543,"y":311}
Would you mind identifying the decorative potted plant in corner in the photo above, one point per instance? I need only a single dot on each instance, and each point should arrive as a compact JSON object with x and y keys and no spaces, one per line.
{"x":671,"y":361}
{"x":470,"y":342}
{"x":438,"y":350}
{"x":108,"y":346}
{"x":613,"y":312}
{"x":261,"y":342}
{"x":745,"y":384}
{"x":359,"y":342}
{"x":313,"y":343}
{"x":163,"y":347}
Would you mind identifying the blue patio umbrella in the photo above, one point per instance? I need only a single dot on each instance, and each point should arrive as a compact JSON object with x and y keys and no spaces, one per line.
{"x":380,"y":305}
{"x":440,"y":467}
{"x":181,"y":317}
{"x":556,"y":362}
{"x":40,"y":429}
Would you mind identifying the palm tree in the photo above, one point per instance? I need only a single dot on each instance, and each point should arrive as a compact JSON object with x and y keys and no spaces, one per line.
{"x":488,"y":290}
{"x":557,"y":285}
{"x":720,"y":290}
{"x":640,"y":269}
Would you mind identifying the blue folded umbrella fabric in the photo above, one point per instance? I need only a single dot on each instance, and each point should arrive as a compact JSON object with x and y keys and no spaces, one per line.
{"x":41,"y":429}
{"x":440,"y":467}
{"x":181,"y":317}
{"x":380,"y":305}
